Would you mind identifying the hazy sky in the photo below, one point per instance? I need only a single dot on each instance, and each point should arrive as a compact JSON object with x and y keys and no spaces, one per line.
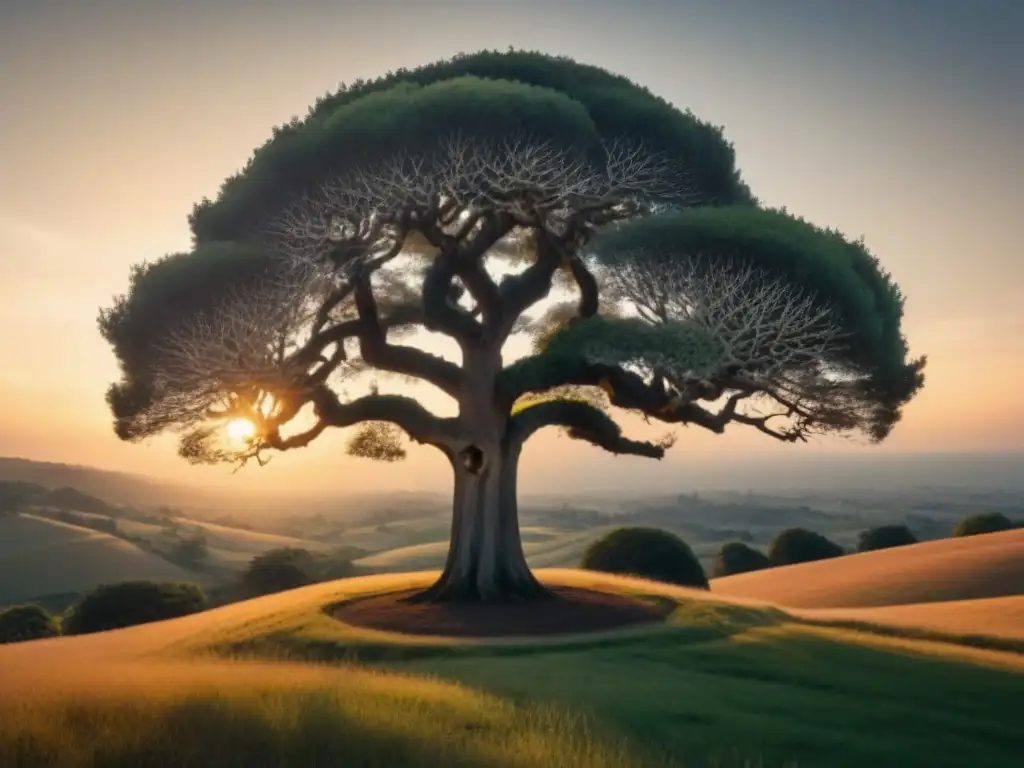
{"x":899,"y":120}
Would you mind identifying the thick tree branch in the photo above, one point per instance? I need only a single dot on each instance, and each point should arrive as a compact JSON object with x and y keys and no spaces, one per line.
{"x":404,"y":412}
{"x":585,"y":281}
{"x":441,"y":314}
{"x":583,"y":422}
{"x":397,"y":358}
{"x":520,"y":292}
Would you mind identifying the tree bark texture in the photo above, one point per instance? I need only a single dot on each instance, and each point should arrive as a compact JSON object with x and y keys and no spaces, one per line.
{"x":485,"y":559}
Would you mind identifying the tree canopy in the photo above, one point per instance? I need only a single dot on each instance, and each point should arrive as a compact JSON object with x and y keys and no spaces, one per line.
{"x":799,"y":545}
{"x":737,"y":557}
{"x":112,"y":606}
{"x":649,"y":553}
{"x":884,"y":537}
{"x":983,"y":522}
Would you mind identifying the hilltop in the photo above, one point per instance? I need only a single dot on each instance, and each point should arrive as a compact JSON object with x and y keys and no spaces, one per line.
{"x":965,"y":568}
{"x":276,"y":681}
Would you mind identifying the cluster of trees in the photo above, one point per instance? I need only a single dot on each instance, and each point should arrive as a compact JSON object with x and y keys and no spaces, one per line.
{"x":112,"y":606}
{"x":799,"y":545}
{"x":656,"y":554}
{"x":109,"y":606}
{"x":277,"y":570}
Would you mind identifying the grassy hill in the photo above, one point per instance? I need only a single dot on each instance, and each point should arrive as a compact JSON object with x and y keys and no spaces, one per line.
{"x":277,"y":682}
{"x":1000,"y":617}
{"x":41,"y":557}
{"x":966,"y":568}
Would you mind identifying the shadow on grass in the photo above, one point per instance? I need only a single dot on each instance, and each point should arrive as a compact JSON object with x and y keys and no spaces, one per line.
{"x":286,"y":732}
{"x":684,"y":624}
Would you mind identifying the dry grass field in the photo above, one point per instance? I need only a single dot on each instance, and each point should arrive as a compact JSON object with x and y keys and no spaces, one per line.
{"x":45,"y":557}
{"x":1000,"y":617}
{"x":276,"y":681}
{"x":967,"y":568}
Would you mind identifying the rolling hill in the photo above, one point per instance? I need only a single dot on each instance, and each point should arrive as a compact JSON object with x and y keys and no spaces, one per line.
{"x":41,"y":557}
{"x":277,"y":681}
{"x":957,"y":569}
{"x":1001,"y":617}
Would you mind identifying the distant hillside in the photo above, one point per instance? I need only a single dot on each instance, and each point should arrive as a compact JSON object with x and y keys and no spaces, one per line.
{"x":965,"y":568}
{"x":118,"y":487}
{"x":40,"y":557}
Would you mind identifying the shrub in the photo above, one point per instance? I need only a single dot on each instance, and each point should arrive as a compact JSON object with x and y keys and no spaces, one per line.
{"x":983,"y":522}
{"x":737,"y":557}
{"x":112,"y":606}
{"x":339,"y":569}
{"x":277,"y":570}
{"x":26,"y":622}
{"x":885,"y":537}
{"x":799,"y":545}
{"x":646,"y":552}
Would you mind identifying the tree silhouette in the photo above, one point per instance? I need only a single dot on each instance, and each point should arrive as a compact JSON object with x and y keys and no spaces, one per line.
{"x":468,"y":198}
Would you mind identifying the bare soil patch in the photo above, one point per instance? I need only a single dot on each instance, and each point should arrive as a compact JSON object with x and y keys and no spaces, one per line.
{"x":571,"y":610}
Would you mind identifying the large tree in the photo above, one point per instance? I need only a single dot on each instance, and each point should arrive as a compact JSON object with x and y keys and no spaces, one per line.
{"x":466,"y":198}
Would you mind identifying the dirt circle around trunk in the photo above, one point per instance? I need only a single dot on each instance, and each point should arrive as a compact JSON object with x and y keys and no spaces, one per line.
{"x":570,"y":610}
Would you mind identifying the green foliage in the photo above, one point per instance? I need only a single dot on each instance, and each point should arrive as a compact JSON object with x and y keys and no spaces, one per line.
{"x":26,"y":622}
{"x":983,"y":522}
{"x":128,"y":603}
{"x":487,"y":94}
{"x":884,"y":537}
{"x":737,"y":557}
{"x":650,"y":553}
{"x":622,"y":341}
{"x":284,"y":568}
{"x":278,"y":570}
{"x":842,"y":274}
{"x":162,"y":295}
{"x":377,"y":440}
{"x":190,"y":551}
{"x":799,"y":545}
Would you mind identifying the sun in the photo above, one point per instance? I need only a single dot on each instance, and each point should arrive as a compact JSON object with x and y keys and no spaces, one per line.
{"x":241,"y":430}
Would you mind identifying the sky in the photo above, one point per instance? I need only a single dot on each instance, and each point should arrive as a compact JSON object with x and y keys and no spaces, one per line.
{"x":902,"y":122}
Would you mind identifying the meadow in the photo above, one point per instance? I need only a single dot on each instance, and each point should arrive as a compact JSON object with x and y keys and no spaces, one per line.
{"x":277,"y":681}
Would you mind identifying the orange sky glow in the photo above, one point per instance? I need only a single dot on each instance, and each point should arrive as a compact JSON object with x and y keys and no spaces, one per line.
{"x":104,"y":149}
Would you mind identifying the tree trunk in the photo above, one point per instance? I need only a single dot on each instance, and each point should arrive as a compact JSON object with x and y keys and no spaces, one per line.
{"x":485,"y":560}
{"x":485,"y":554}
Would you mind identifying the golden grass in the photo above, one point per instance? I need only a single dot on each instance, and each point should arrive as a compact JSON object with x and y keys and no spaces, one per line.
{"x":1001,"y":617}
{"x":245,"y":714}
{"x":226,"y":688}
{"x":956,"y":569}
{"x":45,"y":557}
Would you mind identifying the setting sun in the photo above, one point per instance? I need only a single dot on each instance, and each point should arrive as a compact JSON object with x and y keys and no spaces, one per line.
{"x":241,"y":430}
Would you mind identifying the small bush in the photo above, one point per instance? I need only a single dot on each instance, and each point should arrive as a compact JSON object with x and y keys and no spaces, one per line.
{"x":737,"y":557}
{"x":26,"y":622}
{"x":799,"y":545}
{"x":112,"y":606}
{"x":984,"y":522}
{"x":277,"y":570}
{"x":885,"y":537}
{"x":646,"y":552}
